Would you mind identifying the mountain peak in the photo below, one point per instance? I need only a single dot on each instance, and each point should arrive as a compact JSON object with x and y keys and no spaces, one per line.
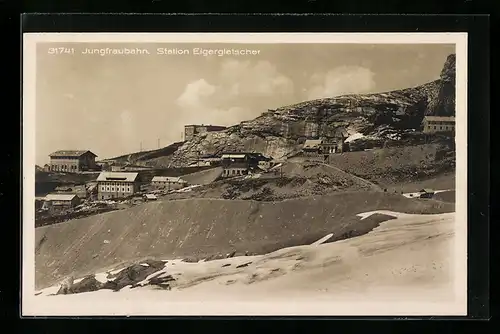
{"x":443,"y":104}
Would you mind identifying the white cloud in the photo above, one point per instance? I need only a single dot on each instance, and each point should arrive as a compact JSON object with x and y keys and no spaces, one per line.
{"x":196,"y":93}
{"x":225,"y":99}
{"x":340,"y":81}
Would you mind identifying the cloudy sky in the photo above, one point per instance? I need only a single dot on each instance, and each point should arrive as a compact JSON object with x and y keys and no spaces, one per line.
{"x":111,"y":104}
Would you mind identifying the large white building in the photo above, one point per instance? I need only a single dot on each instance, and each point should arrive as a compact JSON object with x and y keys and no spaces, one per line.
{"x":117,"y":185}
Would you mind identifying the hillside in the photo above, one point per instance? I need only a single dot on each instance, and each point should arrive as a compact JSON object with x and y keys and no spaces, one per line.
{"x":148,"y":158}
{"x":207,"y":227}
{"x":399,"y":165}
{"x":285,"y":181}
{"x":278,"y":133}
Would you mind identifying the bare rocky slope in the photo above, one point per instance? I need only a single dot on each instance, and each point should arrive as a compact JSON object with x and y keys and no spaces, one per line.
{"x":153,"y":158}
{"x":204,"y":228}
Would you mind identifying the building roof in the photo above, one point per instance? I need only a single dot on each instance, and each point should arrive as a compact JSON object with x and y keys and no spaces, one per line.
{"x":151,"y":196}
{"x":71,"y":153}
{"x":312,"y":143}
{"x":70,"y":188}
{"x":167,"y":179}
{"x":440,"y":118}
{"x":426,"y":190}
{"x":209,"y":125}
{"x":234,"y":156}
{"x":60,"y":197}
{"x":117,"y":176}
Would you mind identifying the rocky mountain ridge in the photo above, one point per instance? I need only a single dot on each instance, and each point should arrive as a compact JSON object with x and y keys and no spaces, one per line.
{"x":373,"y":118}
{"x":280,"y":132}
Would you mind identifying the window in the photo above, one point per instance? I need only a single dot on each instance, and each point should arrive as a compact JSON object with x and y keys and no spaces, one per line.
{"x":434,"y":128}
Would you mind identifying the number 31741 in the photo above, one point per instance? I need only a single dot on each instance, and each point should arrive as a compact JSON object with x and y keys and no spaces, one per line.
{"x":60,"y":51}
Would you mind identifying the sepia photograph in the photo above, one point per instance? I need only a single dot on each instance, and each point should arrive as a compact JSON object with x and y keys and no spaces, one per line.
{"x":244,"y":174}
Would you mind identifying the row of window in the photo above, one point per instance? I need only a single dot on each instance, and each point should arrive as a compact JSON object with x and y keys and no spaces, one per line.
{"x":112,"y":188}
{"x":115,"y":184}
{"x":235,"y":172}
{"x":440,"y":127}
{"x":64,"y":167}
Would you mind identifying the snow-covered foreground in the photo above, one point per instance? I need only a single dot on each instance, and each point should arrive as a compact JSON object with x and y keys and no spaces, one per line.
{"x":405,"y":266}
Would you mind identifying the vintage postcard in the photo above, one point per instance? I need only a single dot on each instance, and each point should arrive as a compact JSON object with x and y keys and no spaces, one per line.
{"x":245,"y":174}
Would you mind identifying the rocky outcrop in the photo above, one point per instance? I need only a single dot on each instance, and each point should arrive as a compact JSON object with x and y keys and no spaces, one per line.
{"x":148,"y":273}
{"x":443,"y":103}
{"x":233,"y":139}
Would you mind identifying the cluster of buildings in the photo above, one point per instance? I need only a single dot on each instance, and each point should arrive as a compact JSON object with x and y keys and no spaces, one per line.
{"x":108,"y":186}
{"x":111,"y":185}
{"x":236,"y":163}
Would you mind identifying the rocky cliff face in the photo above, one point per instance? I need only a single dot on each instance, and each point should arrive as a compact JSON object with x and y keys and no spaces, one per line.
{"x":279,"y":133}
{"x":443,"y":103}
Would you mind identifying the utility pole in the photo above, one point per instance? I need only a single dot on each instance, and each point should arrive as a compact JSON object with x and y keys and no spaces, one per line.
{"x":141,"y":146}
{"x":158,"y":142}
